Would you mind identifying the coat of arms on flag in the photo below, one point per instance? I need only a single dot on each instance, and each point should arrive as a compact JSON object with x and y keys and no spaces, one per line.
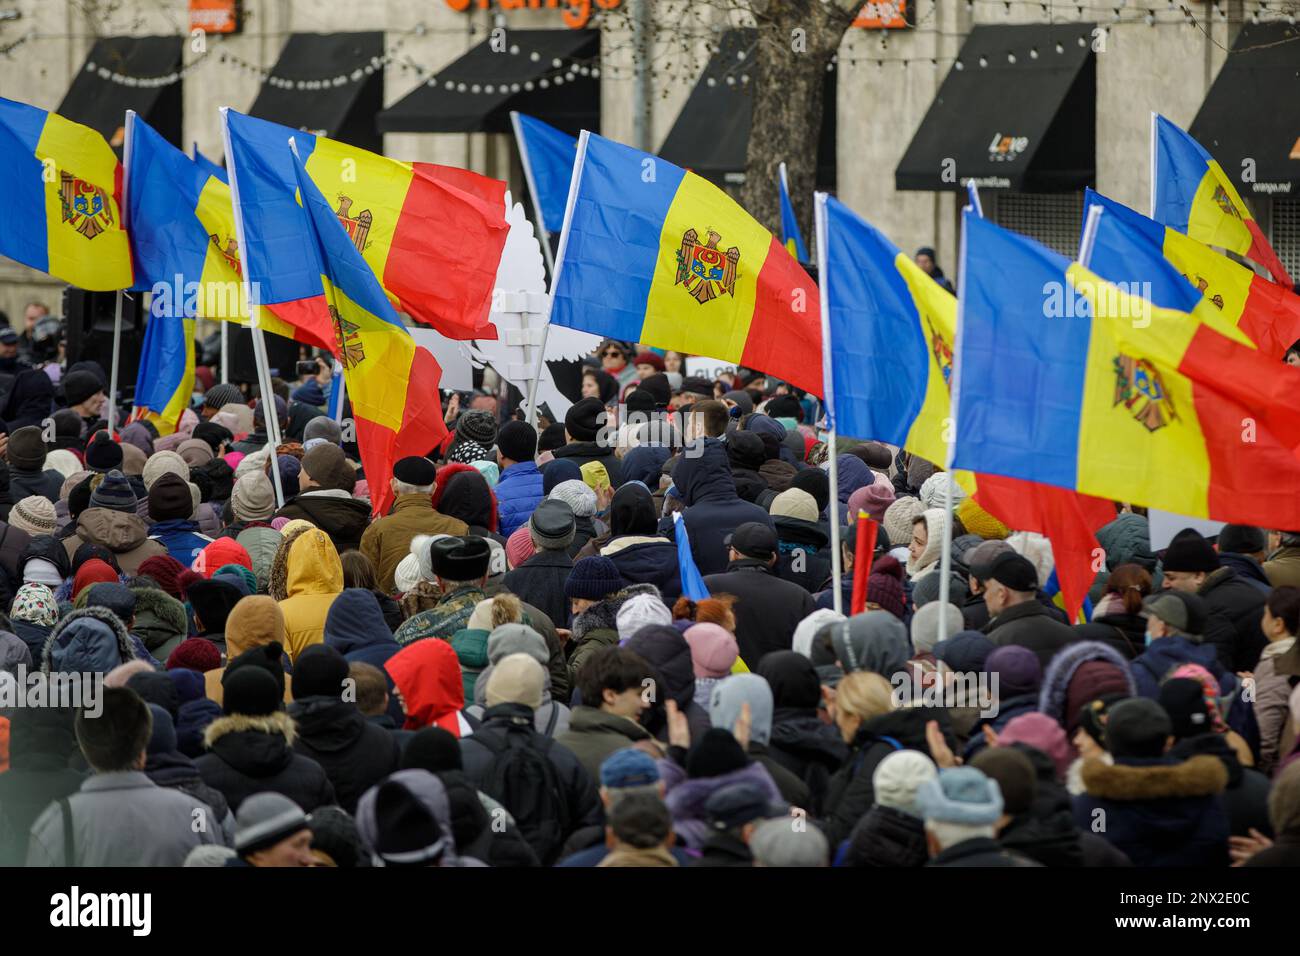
{"x":706,"y":270}
{"x":1140,"y":388}
{"x":347,"y":336}
{"x":229,"y":251}
{"x":85,"y":205}
{"x":358,"y":226}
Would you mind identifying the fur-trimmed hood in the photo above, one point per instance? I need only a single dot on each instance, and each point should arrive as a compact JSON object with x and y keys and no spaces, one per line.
{"x":603,"y":615}
{"x":1163,"y":778}
{"x":306,"y":562}
{"x":1055,"y":689}
{"x":91,"y":640}
{"x":278,"y":723}
{"x":159,"y":617}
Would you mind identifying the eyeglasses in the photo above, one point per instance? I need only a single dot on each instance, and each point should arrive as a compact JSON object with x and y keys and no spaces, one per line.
{"x":608,"y":353}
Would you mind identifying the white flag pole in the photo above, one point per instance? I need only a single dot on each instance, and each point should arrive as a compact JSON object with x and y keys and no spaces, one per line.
{"x":828,"y":399}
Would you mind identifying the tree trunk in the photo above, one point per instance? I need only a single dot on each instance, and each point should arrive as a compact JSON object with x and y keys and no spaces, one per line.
{"x":796,"y":40}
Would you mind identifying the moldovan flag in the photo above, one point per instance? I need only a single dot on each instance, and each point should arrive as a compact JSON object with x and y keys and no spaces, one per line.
{"x":393,"y":386}
{"x":165,"y":385}
{"x":432,"y":234}
{"x":208,"y":165}
{"x":890,"y":335}
{"x":1195,"y":196}
{"x":1066,"y":380}
{"x":654,"y":254}
{"x":183,"y":238}
{"x":791,"y":237}
{"x":1140,"y":254}
{"x":62,"y":206}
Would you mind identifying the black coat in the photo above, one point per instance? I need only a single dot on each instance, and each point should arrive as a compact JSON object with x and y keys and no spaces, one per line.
{"x":540,"y":582}
{"x":767,"y":608}
{"x":1125,"y":633}
{"x":703,"y":481}
{"x":805,"y":557}
{"x":1285,"y":851}
{"x":343,"y":519}
{"x":976,"y":613}
{"x":648,"y":561}
{"x":1246,"y":796}
{"x":724,"y":849}
{"x":45,"y":484}
{"x":248,"y":755}
{"x":980,"y":851}
{"x":1030,"y":625}
{"x":41,"y":743}
{"x":582,"y":452}
{"x":354,"y":753}
{"x":477,"y":834}
{"x":808,"y":748}
{"x":887,"y":837}
{"x":1242,"y":604}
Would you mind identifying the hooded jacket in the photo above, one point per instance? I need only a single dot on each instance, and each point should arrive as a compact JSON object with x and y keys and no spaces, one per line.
{"x":665,"y":649}
{"x":641,"y":554}
{"x":261,"y":542}
{"x":427,"y":675}
{"x":1159,"y":811}
{"x":160,"y":621}
{"x":356,"y":628}
{"x":181,"y":538}
{"x":518,"y":493}
{"x":886,"y":836}
{"x":248,"y":755}
{"x":429,"y":791}
{"x":92,"y":640}
{"x":339,"y":515}
{"x":800,"y":741}
{"x":804,"y":557}
{"x":686,"y":796}
{"x":306,"y":577}
{"x":354,"y":753}
{"x":594,"y":734}
{"x":597,"y":627}
{"x":1165,"y":653}
{"x":713,"y":509}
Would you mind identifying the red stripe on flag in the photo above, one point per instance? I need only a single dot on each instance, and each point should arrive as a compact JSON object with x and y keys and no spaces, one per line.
{"x":1271,"y":317}
{"x":443,"y":261}
{"x":484,"y":187}
{"x":311,"y":318}
{"x":1262,"y":252}
{"x":785,"y":335}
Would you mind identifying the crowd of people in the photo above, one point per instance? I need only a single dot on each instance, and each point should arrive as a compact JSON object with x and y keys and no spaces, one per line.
{"x":506,"y":669}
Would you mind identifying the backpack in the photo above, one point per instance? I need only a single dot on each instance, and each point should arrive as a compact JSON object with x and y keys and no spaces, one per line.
{"x":522,"y":777}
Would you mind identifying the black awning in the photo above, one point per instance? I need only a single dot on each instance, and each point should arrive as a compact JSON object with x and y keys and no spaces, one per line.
{"x":711,"y":134}
{"x":1252,"y":111}
{"x":344,"y":78}
{"x":476,"y":93}
{"x":101,"y":103}
{"x":1016,"y":111}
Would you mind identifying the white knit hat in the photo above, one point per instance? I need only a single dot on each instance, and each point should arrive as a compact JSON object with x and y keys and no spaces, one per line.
{"x":925,"y":624}
{"x":578,"y":495}
{"x":807,"y":629}
{"x":897,"y":777}
{"x":35,"y":515}
{"x":407,"y":573}
{"x":640,"y":611}
{"x":934,"y":490}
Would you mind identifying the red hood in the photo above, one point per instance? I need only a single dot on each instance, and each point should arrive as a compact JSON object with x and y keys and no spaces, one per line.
{"x":428,"y":675}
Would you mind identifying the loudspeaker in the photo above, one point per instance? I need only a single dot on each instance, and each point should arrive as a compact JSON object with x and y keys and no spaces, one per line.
{"x":88,"y":332}
{"x":281,"y":355}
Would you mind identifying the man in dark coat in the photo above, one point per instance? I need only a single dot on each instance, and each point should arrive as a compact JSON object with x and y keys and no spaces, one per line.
{"x":767,"y":609}
{"x":590,"y":438}
{"x":1192,"y":566}
{"x":713,"y":509}
{"x":805,"y":556}
{"x":27,"y":472}
{"x":1016,"y":616}
{"x":324,"y":498}
{"x":354,"y":753}
{"x":962,"y":807}
{"x":540,"y":580}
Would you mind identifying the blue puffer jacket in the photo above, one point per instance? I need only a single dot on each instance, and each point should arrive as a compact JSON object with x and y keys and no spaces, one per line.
{"x":1164,"y":654}
{"x":356,"y":628}
{"x":89,"y":641}
{"x":518,"y":491}
{"x":713,"y":509}
{"x":181,"y":538}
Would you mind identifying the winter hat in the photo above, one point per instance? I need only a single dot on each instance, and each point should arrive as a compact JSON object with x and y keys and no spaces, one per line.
{"x":925,"y":624}
{"x":1018,"y":669}
{"x":407,"y":574}
{"x":1190,"y":552}
{"x":874,"y":499}
{"x":432,"y":749}
{"x":552,"y":526}
{"x":329,"y":468}
{"x":41,"y":571}
{"x":507,"y":639}
{"x":195,"y":654}
{"x":27,"y":449}
{"x":807,"y":629}
{"x":265,"y":819}
{"x":874,"y":454}
{"x":551,"y":438}
{"x":265,"y":658}
{"x":898,"y":520}
{"x":873,"y":641}
{"x":731,"y":693}
{"x":161,"y":463}
{"x":219,"y":396}
{"x":1014,"y":571}
{"x":170,"y":498}
{"x":583,"y":419}
{"x":978,"y":521}
{"x":961,"y":795}
{"x":166,"y":571}
{"x":35,"y":603}
{"x":732,"y":806}
{"x":281,"y":411}
{"x":114,"y":596}
{"x":776,"y":843}
{"x":63,"y":461}
{"x":35,"y":515}
{"x":89,"y":549}
{"x":897,"y":778}
{"x":79,"y":385}
{"x":817,"y":483}
{"x":793,"y":503}
{"x":114,"y":493}
{"x":465,"y":452}
{"x":241,"y":577}
{"x":577,"y":494}
{"x":253,"y":498}
{"x":1242,"y":539}
{"x":885,"y":586}
{"x":593,"y":579}
{"x":289,"y":467}
{"x":1043,"y":734}
{"x":133,"y":460}
{"x":218,"y":554}
{"x":195,"y":451}
{"x":212,"y":433}
{"x":1093,"y":679}
{"x":714,"y":754}
{"x":250,"y":690}
{"x":934,"y":490}
{"x":520,"y":546}
{"x":213,"y":600}
{"x":517,"y":441}
{"x":460,"y":559}
{"x":653,"y":359}
{"x":102,"y":453}
{"x":1137,"y":727}
{"x":742,"y":398}
{"x":965,"y":652}
{"x":319,"y":671}
{"x":516,"y":679}
{"x":1214,"y":705}
{"x":713,"y":650}
{"x":629,"y":767}
{"x":638,"y":611}
{"x":1014,"y":774}
{"x":478,"y":426}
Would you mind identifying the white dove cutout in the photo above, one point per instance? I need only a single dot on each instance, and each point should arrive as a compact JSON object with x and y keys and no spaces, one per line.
{"x":519,"y":309}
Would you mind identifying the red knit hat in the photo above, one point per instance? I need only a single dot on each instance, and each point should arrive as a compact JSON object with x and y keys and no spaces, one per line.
{"x":93,"y":571}
{"x":218,"y":554}
{"x":649,"y":358}
{"x":195,"y":654}
{"x":885,"y":586}
{"x":166,"y":570}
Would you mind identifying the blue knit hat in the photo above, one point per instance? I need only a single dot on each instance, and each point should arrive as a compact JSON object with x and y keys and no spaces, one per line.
{"x":115,"y":493}
{"x":960,"y":795}
{"x":628,"y":767}
{"x":593,"y":578}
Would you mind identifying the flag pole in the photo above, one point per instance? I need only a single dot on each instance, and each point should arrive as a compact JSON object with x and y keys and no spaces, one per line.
{"x":129,"y":132}
{"x":1151,"y":209}
{"x":578,"y":163}
{"x":828,"y":398}
{"x":532,"y":191}
{"x":342,"y":396}
{"x":225,"y":352}
{"x":1089,"y":236}
{"x":250,"y":307}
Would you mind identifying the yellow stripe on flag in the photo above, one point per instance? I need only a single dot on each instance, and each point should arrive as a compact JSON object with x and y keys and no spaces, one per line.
{"x":376,"y":357}
{"x":1208,"y":220}
{"x":1224,"y":283}
{"x":937,"y":309}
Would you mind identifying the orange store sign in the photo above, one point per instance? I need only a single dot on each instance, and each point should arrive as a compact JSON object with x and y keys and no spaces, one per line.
{"x":214,"y":16}
{"x":886,"y":15}
{"x":576,"y":15}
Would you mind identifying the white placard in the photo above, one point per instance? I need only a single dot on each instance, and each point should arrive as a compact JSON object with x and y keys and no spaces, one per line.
{"x":1163,"y":525}
{"x":453,"y":356}
{"x":706,"y":368}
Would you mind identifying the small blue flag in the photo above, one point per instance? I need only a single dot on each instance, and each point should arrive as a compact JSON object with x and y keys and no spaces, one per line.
{"x":548,"y":156}
{"x":692,"y":581}
{"x":791,"y":238}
